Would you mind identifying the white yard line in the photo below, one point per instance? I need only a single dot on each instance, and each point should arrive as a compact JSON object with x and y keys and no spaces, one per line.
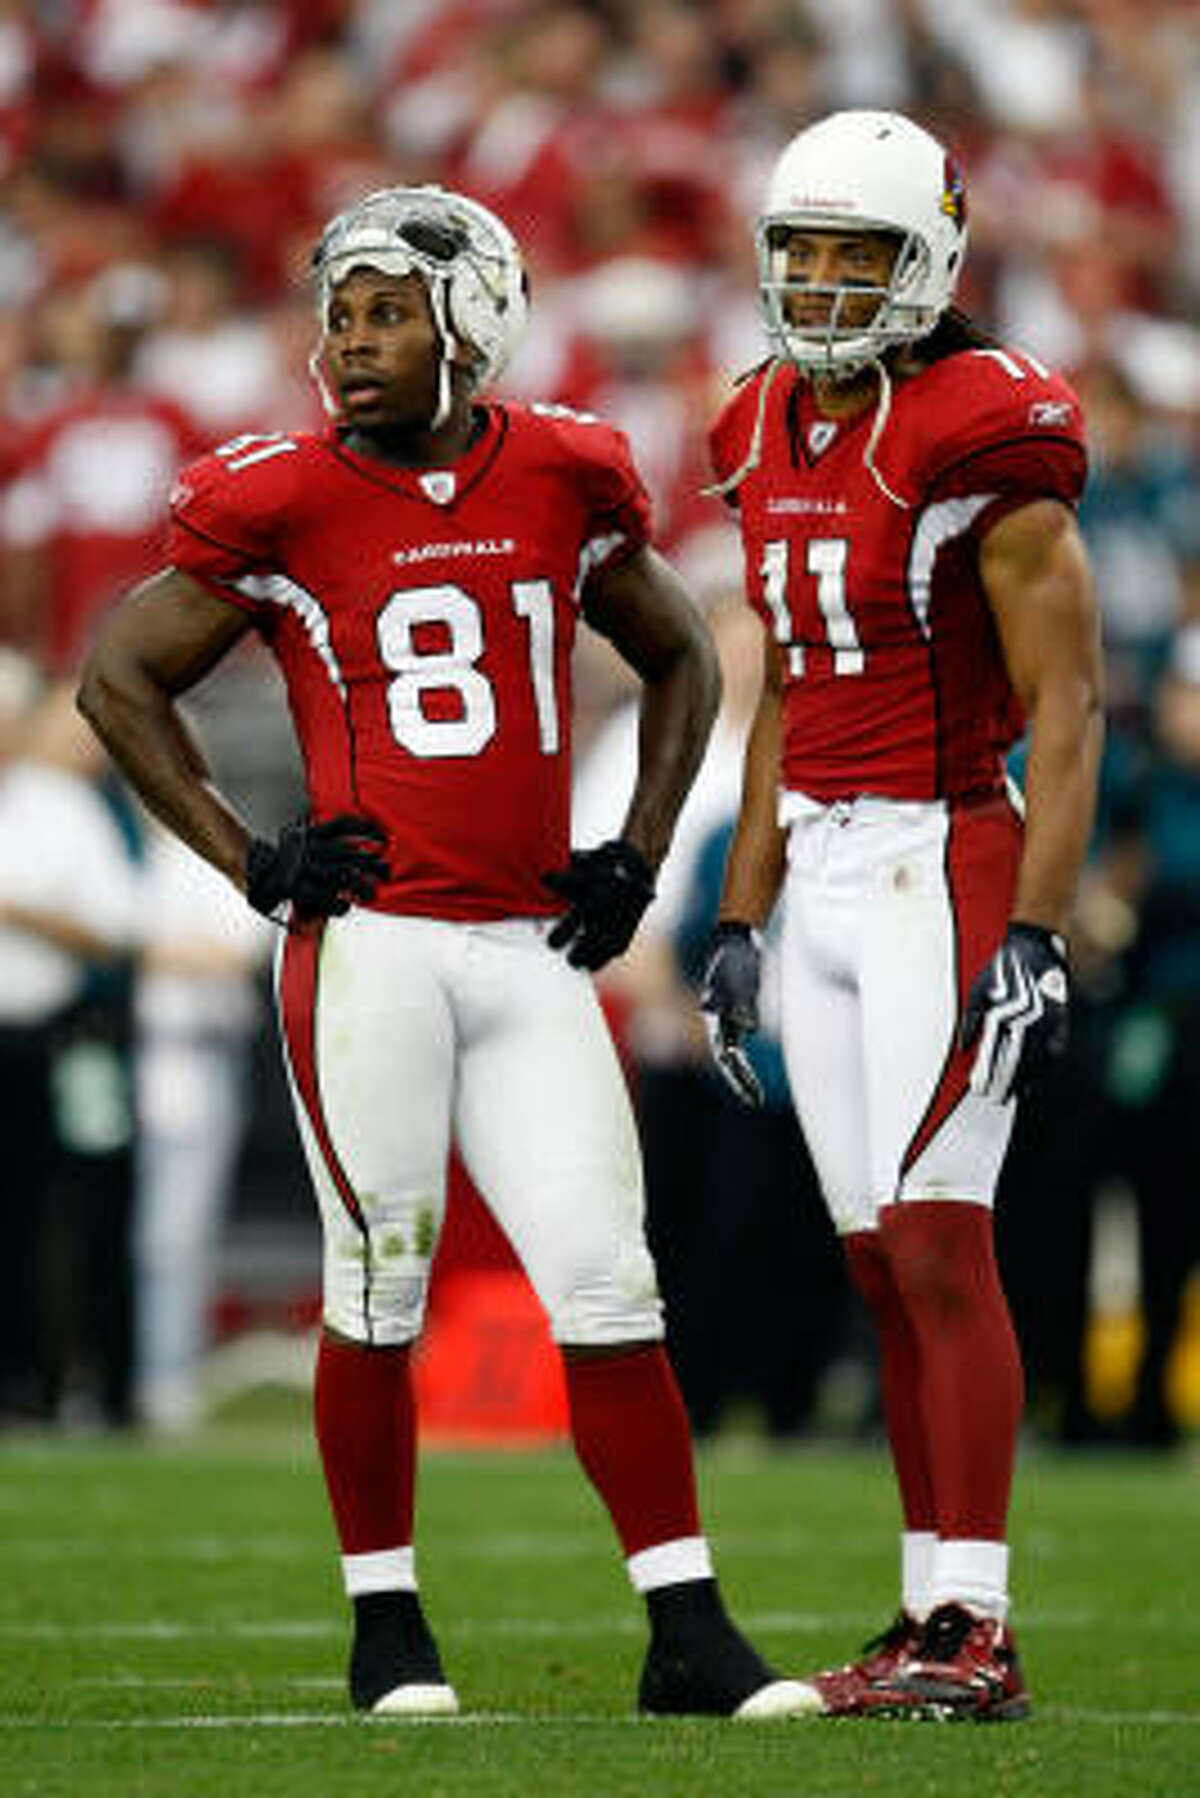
{"x":574,"y":1628}
{"x":266,"y":1720}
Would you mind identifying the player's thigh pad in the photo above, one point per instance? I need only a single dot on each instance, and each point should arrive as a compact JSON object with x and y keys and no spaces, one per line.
{"x":935,"y":904}
{"x":957,"y":1147}
{"x":369,"y":1042}
{"x":821,"y":1030}
{"x":546,"y":1130}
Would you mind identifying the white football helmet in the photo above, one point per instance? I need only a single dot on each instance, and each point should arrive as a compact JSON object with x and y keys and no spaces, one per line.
{"x":468,"y":259}
{"x":863,"y":171}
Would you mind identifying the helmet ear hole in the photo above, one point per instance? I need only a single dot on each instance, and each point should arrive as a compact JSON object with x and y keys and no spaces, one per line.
{"x":434,"y":239}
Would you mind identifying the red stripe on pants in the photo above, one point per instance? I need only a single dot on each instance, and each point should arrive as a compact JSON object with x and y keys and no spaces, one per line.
{"x":298,"y":976}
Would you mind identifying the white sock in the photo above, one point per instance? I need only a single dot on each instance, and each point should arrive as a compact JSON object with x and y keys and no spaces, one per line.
{"x":974,"y":1574}
{"x":916,"y":1572}
{"x":387,"y":1570}
{"x":670,"y":1564}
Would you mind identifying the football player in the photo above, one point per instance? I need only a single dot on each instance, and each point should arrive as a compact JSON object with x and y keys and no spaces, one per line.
{"x":906,"y":489}
{"x":419,"y":570}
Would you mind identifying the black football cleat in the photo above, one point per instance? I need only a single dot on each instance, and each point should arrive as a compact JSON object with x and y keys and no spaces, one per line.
{"x":699,"y":1663}
{"x":395,"y":1668}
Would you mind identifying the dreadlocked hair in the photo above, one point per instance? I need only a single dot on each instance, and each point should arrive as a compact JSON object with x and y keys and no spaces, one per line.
{"x":954,"y":332}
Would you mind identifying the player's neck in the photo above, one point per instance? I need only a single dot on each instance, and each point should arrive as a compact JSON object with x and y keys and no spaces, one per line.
{"x":846,"y":399}
{"x":408,"y":446}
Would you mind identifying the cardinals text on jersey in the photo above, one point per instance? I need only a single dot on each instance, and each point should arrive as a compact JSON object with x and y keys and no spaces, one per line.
{"x":423,"y":621}
{"x":894,"y":679}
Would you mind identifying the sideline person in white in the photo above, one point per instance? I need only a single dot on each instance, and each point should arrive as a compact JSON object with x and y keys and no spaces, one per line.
{"x":196,"y":1007}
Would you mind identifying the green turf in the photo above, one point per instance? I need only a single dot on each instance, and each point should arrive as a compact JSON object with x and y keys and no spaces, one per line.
{"x":171,"y":1624}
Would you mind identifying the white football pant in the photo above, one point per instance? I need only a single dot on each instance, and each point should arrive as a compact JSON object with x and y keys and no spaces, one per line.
{"x":890,"y":909}
{"x":402,"y":1033}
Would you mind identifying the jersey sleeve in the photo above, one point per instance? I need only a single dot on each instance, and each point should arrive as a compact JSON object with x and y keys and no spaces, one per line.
{"x":1018,"y":437}
{"x":617,"y":505}
{"x":224,"y":526}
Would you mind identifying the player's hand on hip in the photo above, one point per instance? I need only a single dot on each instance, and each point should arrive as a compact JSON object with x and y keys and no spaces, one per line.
{"x":729,"y":1003}
{"x":608,"y":889}
{"x":1018,"y":1011}
{"x":322,"y":869}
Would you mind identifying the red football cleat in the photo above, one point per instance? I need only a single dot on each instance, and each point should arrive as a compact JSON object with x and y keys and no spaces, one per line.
{"x":962,"y":1668}
{"x":841,"y":1690}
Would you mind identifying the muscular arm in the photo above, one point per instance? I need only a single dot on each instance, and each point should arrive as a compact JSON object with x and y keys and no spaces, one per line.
{"x":158,"y":643}
{"x":644,"y":610}
{"x":1035,"y":573}
{"x":754,"y":869}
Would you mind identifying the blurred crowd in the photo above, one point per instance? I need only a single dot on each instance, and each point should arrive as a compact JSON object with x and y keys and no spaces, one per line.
{"x":165,"y":167}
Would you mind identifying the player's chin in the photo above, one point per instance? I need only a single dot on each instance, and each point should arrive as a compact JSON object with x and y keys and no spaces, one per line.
{"x":366,"y":405}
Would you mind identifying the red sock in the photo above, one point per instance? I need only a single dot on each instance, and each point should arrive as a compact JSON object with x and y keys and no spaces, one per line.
{"x":631,"y":1435}
{"x":943,"y":1263}
{"x":366,"y":1433}
{"x":899,"y":1376}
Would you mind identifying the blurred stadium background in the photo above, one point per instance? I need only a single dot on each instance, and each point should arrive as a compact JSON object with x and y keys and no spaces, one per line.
{"x":165,"y":166}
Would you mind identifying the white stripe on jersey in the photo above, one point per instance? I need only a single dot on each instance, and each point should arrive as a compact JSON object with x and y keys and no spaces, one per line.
{"x":595,"y":551}
{"x":947,"y":519}
{"x":278,"y":590}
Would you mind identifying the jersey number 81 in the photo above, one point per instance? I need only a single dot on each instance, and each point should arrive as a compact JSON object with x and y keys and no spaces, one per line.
{"x":419,"y":673}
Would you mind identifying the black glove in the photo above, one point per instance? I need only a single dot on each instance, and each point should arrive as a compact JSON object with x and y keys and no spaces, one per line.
{"x":1018,"y":1008}
{"x":608,"y":888}
{"x":729,"y":1002}
{"x":321,"y":868}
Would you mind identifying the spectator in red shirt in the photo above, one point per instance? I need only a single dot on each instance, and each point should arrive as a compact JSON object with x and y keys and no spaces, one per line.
{"x":82,"y":518}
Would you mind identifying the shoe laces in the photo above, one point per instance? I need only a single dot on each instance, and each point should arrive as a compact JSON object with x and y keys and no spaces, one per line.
{"x":944,"y":1632}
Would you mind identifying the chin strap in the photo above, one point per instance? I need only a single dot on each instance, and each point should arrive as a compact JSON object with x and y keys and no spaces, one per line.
{"x":883,"y":407}
{"x":449,"y":343}
{"x":719,"y":489}
{"x":328,"y":403}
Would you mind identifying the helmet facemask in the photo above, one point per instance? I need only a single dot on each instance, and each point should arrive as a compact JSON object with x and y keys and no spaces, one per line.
{"x":841,"y":345}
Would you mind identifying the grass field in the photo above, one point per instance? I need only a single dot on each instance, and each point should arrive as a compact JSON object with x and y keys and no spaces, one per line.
{"x":171,"y":1625}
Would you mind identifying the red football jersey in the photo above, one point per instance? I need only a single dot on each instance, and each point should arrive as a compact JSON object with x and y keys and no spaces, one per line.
{"x":895,"y":682}
{"x":423,"y":620}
